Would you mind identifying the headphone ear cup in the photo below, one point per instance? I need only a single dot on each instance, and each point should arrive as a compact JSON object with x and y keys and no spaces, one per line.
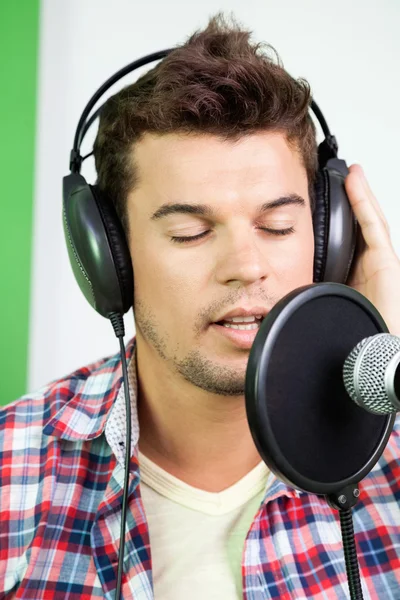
{"x":119,"y":246}
{"x":335,"y":226}
{"x":97,"y":247}
{"x":320,"y":224}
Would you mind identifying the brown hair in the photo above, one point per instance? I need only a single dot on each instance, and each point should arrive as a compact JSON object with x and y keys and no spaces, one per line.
{"x":219,"y":83}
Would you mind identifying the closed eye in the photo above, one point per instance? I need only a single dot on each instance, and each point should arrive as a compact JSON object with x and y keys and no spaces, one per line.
{"x":286,"y":231}
{"x":178,"y":239}
{"x":193,"y":238}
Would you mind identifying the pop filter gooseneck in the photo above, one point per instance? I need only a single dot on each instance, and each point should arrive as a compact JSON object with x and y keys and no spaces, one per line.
{"x":304,"y":425}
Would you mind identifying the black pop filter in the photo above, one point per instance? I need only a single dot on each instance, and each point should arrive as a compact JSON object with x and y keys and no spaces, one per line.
{"x":305,"y":426}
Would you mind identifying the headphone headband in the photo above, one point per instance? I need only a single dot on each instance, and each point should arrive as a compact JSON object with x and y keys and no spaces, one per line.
{"x":328,"y":148}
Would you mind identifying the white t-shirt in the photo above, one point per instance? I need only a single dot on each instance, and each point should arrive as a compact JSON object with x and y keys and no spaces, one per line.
{"x":197,"y":537}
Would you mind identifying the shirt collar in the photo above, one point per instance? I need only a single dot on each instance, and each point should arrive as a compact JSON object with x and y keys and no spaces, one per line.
{"x":276,"y":488}
{"x":85,"y":415}
{"x":115,"y":429}
{"x":99,"y":405}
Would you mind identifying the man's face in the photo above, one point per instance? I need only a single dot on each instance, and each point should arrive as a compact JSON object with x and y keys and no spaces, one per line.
{"x":208,"y":256}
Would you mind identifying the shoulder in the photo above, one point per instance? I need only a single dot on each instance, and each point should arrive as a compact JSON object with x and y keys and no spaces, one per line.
{"x":33,"y":410}
{"x":30,"y":458}
{"x":73,"y":407}
{"x":383,"y":481}
{"x":29,"y":437}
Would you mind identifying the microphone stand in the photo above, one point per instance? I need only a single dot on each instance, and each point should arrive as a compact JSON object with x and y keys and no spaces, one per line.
{"x":343,"y":501}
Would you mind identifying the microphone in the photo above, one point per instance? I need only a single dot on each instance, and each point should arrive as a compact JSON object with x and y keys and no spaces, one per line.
{"x":303,"y":423}
{"x":307,"y":429}
{"x":371,"y":374}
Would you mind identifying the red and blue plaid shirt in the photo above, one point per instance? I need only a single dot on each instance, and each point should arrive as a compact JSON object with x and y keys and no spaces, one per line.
{"x":61,"y":483}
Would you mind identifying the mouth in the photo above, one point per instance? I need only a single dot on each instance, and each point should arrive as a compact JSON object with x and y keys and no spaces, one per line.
{"x":240,"y":329}
{"x":242,"y":323}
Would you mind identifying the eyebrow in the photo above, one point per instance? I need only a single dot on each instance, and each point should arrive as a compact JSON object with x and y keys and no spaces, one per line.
{"x":206,"y":211}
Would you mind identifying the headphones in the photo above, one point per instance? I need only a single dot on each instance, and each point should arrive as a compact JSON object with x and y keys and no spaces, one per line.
{"x":98,"y":249}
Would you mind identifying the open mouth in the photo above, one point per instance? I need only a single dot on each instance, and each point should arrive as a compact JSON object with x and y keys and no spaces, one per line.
{"x":242,"y":323}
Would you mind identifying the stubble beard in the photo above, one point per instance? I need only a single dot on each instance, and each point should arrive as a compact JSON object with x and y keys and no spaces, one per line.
{"x":195,"y":368}
{"x":210,"y":376}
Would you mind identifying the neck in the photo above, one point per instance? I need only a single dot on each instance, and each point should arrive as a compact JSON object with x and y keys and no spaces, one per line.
{"x":202,"y":439}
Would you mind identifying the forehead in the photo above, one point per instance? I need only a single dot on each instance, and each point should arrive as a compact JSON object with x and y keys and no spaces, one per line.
{"x":198,"y":168}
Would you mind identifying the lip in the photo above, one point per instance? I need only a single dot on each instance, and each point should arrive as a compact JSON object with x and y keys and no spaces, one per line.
{"x":241,"y":338}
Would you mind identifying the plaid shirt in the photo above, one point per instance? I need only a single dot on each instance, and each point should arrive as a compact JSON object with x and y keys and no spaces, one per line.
{"x":60,"y":508}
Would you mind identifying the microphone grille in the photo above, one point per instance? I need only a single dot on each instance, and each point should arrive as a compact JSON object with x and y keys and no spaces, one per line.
{"x":364,"y":372}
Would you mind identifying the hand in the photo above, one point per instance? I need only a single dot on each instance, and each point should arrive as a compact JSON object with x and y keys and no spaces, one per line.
{"x":376,"y":269}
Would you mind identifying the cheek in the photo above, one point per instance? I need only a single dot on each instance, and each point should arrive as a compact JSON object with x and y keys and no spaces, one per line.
{"x":167,"y":279}
{"x":294,"y":266}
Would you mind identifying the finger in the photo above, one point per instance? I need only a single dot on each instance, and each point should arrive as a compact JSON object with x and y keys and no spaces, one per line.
{"x":356,"y":273}
{"x":373,"y":225}
{"x":364,"y":182}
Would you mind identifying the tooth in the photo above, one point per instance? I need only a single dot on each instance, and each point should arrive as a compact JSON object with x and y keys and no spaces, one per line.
{"x":242,"y":327}
{"x":242,"y":319}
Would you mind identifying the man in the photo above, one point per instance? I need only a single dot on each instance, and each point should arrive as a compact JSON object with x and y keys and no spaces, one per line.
{"x":210,"y":159}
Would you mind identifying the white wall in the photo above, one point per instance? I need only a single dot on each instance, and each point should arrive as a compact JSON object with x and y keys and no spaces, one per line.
{"x":348,"y":50}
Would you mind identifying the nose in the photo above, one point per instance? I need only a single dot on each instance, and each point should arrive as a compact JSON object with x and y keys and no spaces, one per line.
{"x":242,"y":259}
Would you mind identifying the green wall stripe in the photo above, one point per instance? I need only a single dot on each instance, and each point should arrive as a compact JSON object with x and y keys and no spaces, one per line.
{"x":19,"y":26}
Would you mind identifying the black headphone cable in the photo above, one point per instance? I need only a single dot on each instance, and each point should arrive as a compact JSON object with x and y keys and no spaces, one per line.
{"x":119,"y":329}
